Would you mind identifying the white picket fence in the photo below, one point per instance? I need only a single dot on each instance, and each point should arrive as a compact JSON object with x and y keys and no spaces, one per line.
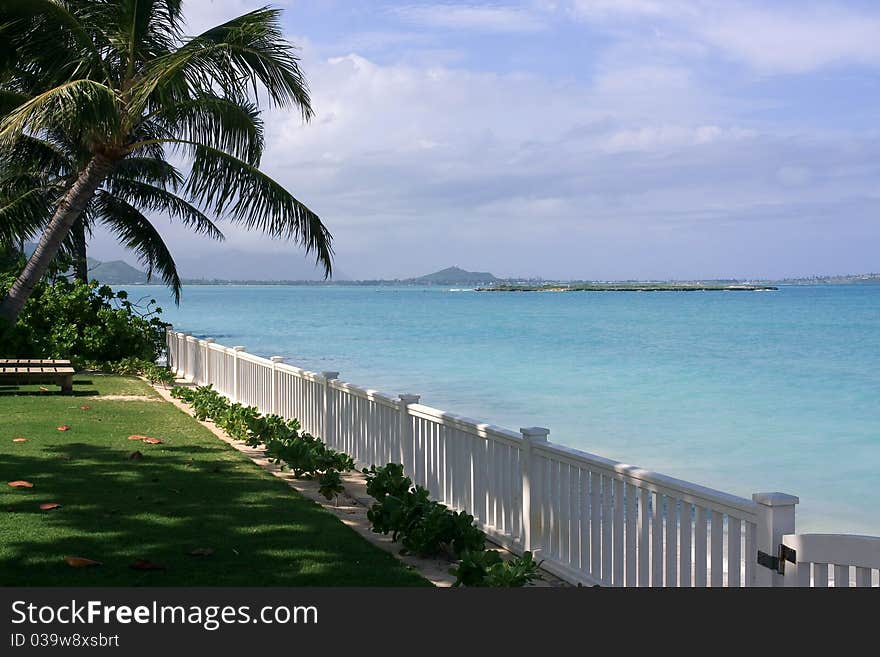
{"x":592,"y":520}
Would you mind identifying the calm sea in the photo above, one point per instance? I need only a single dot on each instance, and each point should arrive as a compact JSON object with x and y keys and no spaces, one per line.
{"x":742,"y":391}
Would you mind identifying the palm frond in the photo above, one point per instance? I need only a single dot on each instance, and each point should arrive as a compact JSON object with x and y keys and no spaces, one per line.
{"x":234,"y":127}
{"x":152,"y":170}
{"x":137,"y":234}
{"x":67,"y":107}
{"x":142,"y":30}
{"x":36,"y":155}
{"x":60,"y":37}
{"x":155,"y":199}
{"x":10,"y":99}
{"x":248,"y":196}
{"x":241,"y":56}
{"x":24,"y":215}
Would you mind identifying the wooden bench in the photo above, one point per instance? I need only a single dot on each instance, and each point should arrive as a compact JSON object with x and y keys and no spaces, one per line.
{"x":17,"y":371}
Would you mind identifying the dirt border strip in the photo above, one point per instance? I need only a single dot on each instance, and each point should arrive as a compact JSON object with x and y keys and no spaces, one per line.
{"x":352,"y":503}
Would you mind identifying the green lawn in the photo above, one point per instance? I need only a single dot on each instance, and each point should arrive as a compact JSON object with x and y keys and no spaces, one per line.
{"x":192,"y":491}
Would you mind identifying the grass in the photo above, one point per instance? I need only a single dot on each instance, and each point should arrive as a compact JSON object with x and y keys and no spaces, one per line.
{"x":193,"y":491}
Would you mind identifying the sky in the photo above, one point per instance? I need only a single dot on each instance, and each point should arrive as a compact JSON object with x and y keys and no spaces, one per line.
{"x":578,"y":139}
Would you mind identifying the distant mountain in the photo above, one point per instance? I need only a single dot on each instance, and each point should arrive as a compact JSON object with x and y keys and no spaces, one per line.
{"x":455,"y":276}
{"x":115,"y":272}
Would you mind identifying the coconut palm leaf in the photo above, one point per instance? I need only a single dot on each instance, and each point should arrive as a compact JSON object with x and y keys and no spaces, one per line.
{"x":233,"y":127}
{"x":245,"y":54}
{"x":69,"y":107}
{"x":149,"y":170}
{"x":136,"y":233}
{"x":156,"y":199}
{"x":246,"y":195}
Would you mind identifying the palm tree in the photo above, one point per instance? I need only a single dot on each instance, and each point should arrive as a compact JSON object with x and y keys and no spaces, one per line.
{"x":120,"y":77}
{"x":36,"y":171}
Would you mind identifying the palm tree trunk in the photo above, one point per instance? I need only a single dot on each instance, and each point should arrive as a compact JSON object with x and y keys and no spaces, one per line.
{"x":67,"y":212}
{"x":80,"y":261}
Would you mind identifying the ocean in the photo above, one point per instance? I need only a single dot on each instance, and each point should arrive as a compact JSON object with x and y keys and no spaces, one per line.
{"x":739,"y":391}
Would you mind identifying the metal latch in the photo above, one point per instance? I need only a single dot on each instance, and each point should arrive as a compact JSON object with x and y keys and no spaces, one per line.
{"x":777,"y":562}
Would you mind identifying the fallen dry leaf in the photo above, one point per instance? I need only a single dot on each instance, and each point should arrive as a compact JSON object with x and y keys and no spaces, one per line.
{"x":49,"y":506}
{"x":19,"y":440}
{"x":136,"y":456}
{"x":64,"y":427}
{"x":152,"y":441}
{"x":20,"y":484}
{"x":81,"y":562}
{"x":202,"y":552}
{"x":146,"y":564}
{"x":84,"y":408}
{"x":137,"y":437}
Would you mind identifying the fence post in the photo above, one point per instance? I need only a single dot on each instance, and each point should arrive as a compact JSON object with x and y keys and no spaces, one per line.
{"x":776,"y":517}
{"x":169,"y":356}
{"x":202,"y":346}
{"x":236,"y":383}
{"x":275,"y":387}
{"x":530,"y":517}
{"x":178,"y":362}
{"x":327,"y":418}
{"x":208,"y":373}
{"x":405,"y":435}
{"x":184,"y":342}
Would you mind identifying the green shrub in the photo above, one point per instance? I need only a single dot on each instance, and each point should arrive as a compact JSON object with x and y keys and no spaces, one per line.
{"x":85,"y":323}
{"x":423,"y":526}
{"x":330,"y":484}
{"x":487,"y":568}
{"x":302,"y":453}
{"x":387,"y":480}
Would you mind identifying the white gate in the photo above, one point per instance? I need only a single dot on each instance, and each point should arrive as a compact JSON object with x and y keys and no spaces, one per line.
{"x":822,"y":560}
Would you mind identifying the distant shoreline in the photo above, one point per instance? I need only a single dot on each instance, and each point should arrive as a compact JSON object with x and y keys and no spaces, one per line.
{"x":672,"y":287}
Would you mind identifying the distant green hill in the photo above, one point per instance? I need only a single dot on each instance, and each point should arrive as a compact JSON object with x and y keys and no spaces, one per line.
{"x":455,"y":276}
{"x":115,"y":272}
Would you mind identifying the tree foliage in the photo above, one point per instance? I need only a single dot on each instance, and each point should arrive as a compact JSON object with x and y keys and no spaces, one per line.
{"x":119,"y":81}
{"x":89,"y":324}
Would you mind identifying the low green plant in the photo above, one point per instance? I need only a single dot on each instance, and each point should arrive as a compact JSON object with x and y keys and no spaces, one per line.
{"x":387,"y":480}
{"x":423,"y":526}
{"x":330,"y":484}
{"x":487,"y":568}
{"x":157,"y":374}
{"x":285,"y":445}
{"x":466,"y":536}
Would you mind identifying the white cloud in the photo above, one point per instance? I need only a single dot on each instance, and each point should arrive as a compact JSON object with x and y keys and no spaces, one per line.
{"x":483,"y":18}
{"x":771,"y":38}
{"x":205,"y":14}
{"x":617,"y":8}
{"x":796,"y":40}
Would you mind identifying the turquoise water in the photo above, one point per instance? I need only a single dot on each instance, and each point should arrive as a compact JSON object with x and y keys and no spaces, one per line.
{"x":745,"y":392}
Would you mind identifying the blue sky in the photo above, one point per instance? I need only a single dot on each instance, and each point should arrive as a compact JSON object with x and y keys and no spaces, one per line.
{"x":595,"y":139}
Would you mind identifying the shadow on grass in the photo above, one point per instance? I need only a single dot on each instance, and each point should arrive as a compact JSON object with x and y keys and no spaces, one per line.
{"x":175,"y":499}
{"x":27,"y":390}
{"x":14,"y":391}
